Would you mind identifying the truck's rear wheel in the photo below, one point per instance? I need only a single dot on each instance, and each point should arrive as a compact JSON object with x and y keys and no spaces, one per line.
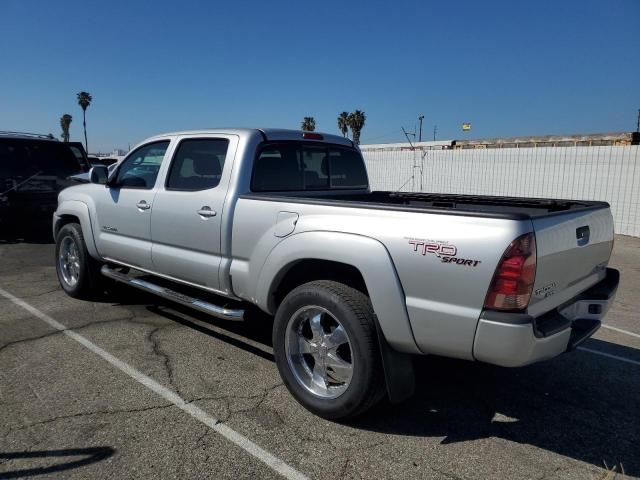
{"x":326,"y":349}
{"x":78,"y":273}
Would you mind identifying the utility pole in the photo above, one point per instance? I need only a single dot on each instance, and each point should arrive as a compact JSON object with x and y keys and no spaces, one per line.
{"x":435,"y":130}
{"x":638,"y":125}
{"x":421,"y":117}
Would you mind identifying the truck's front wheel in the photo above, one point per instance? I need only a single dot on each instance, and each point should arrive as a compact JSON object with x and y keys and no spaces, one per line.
{"x":78,"y":273}
{"x":326,"y":349}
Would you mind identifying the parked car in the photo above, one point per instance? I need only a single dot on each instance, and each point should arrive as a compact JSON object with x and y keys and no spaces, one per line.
{"x":33,"y":170}
{"x":81,"y":154}
{"x":358,"y":280}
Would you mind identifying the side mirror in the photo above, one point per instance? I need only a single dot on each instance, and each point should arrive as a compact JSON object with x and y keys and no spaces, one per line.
{"x":99,"y":174}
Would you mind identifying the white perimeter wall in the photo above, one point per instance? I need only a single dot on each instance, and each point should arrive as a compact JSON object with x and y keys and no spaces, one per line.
{"x":608,"y":173}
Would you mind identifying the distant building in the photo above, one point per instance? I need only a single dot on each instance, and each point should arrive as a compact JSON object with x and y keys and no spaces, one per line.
{"x":586,"y":140}
{"x":438,"y":145}
{"x":117,"y":154}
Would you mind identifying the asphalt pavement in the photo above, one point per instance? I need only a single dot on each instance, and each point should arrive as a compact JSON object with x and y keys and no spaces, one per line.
{"x":134,"y":387}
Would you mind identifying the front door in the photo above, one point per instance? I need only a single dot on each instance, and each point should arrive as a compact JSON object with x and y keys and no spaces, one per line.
{"x":123,"y":208}
{"x":188,"y":210}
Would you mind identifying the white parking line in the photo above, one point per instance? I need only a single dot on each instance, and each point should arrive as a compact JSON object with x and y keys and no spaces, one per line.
{"x":626,"y":332}
{"x":615,"y":357}
{"x":240,"y":440}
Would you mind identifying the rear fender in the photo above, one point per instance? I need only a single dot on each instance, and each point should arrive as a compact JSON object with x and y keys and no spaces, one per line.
{"x":369,"y":256}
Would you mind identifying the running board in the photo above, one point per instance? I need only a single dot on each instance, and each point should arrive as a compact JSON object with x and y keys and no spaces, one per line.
{"x":201,"y":305}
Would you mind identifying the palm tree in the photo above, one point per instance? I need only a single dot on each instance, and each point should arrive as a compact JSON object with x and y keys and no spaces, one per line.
{"x":308,"y":124}
{"x":356,"y":122}
{"x":65,"y":123}
{"x":84,"y":100}
{"x":343,"y":123}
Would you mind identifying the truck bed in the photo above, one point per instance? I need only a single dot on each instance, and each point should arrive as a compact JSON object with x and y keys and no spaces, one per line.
{"x":517,"y":208}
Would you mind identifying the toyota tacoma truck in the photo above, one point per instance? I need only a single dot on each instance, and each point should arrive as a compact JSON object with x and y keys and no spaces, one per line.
{"x":358,"y":280}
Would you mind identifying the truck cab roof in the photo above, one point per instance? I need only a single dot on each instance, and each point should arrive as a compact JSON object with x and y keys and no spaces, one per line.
{"x":268,"y":134}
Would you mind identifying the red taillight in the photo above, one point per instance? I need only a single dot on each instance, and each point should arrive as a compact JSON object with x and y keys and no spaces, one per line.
{"x":312,"y":136}
{"x":513,"y":280}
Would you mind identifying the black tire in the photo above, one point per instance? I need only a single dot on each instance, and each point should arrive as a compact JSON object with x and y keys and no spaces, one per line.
{"x":89,"y":280}
{"x":354,"y":312}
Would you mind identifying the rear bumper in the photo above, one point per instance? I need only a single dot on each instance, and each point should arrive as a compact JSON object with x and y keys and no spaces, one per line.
{"x":517,"y":339}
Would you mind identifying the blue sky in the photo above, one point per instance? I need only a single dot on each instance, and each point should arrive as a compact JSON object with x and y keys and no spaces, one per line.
{"x":509,"y":68}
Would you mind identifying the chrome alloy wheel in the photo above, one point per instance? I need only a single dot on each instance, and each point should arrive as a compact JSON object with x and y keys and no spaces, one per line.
{"x":69,"y":261}
{"x":319,"y":352}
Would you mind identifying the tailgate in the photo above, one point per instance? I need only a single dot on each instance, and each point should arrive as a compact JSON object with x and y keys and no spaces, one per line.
{"x":573,"y":251}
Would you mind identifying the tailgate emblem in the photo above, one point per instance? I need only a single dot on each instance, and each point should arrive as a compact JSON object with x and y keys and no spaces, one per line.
{"x":582,"y":235}
{"x":547,"y":290}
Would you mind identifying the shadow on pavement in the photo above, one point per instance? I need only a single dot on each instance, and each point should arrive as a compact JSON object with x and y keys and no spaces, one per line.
{"x":47,"y":458}
{"x":580,"y":405}
{"x":239,"y":330}
{"x":257,"y":325}
{"x":28,"y":232}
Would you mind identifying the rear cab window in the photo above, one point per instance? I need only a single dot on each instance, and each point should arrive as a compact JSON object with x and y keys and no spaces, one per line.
{"x":297,"y":166}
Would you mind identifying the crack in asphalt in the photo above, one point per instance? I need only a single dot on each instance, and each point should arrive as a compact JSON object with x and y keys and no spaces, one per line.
{"x":261,"y":399}
{"x":166,"y":360}
{"x":343,"y":470}
{"x":25,"y":297}
{"x":86,"y":414}
{"x":116,"y":412}
{"x":553,"y":473}
{"x":59,"y":332}
{"x":446,"y":474}
{"x":41,"y":294}
{"x":230,"y":412}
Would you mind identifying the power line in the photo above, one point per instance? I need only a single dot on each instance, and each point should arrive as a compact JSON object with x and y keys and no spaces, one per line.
{"x":407,"y":135}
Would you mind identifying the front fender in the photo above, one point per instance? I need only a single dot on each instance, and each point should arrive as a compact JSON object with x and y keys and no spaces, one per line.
{"x":369,"y":256}
{"x":80,"y":210}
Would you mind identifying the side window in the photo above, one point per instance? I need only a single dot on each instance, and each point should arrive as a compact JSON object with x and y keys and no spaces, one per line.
{"x":278,"y":168}
{"x":15,"y":162}
{"x":197,"y":164}
{"x":140,"y":169}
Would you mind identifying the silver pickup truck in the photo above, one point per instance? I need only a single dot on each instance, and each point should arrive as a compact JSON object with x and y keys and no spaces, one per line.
{"x":358,"y":280}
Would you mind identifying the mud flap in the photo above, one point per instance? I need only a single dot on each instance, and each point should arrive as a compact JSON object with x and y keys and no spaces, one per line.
{"x":398,"y":370}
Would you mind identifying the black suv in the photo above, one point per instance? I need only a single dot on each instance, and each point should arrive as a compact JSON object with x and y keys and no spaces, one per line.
{"x":33,"y":170}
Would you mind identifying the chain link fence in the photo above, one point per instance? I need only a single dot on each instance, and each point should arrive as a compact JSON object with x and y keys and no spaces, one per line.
{"x":609,"y":173}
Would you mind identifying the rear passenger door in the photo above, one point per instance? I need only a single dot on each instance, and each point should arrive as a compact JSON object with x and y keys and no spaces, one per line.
{"x":188,"y":210}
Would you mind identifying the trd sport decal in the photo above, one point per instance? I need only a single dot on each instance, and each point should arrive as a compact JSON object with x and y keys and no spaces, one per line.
{"x":446,"y":252}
